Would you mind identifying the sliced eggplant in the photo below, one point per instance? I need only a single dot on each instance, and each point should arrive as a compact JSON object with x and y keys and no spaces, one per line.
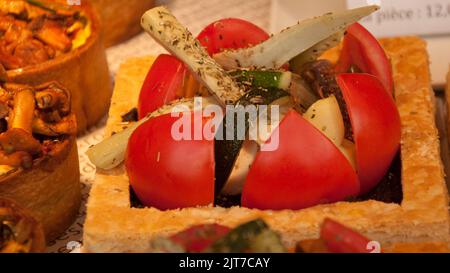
{"x":321,"y":78}
{"x":302,"y":94}
{"x":241,"y":167}
{"x":250,"y":147}
{"x":227,"y":150}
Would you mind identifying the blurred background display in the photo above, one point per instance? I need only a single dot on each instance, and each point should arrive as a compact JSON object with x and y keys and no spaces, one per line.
{"x":429,"y":19}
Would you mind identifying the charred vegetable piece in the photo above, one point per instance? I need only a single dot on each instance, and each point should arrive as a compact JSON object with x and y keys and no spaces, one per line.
{"x":131,"y":116}
{"x":229,"y":142}
{"x":251,"y":237}
{"x":302,"y":93}
{"x":320,"y":76}
{"x":198,"y":238}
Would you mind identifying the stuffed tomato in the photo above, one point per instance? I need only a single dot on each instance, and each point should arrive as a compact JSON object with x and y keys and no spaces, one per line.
{"x":336,"y":132}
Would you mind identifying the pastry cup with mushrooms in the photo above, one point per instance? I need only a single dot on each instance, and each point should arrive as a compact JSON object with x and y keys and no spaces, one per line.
{"x":46,"y":40}
{"x":19,"y":231}
{"x":38,"y":153}
{"x":121,"y":18}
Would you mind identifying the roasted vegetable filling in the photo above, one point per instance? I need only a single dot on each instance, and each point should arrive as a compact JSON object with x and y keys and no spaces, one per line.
{"x":34,"y":121}
{"x":33,"y":32}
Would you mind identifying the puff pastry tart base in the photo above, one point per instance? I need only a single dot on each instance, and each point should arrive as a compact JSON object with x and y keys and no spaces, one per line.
{"x":113,"y":226}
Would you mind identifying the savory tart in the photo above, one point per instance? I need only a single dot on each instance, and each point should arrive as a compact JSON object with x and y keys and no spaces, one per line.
{"x":19,"y":231}
{"x":38,"y":153}
{"x":120,"y":18}
{"x":41,"y":41}
{"x":339,"y":135}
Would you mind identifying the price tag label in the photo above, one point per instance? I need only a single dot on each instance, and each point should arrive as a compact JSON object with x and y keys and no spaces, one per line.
{"x":407,"y":17}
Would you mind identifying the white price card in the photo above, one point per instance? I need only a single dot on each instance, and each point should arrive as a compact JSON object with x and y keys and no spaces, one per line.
{"x":407,"y":17}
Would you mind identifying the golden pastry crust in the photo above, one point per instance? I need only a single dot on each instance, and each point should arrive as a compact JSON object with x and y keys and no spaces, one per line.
{"x":121,"y":18}
{"x":447,"y":98}
{"x":10,"y":208}
{"x":112,"y":226}
{"x":432,"y":247}
{"x":83,"y":71}
{"x":50,"y":190}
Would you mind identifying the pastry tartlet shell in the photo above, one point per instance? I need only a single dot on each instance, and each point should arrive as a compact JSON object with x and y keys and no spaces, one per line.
{"x":121,"y":19}
{"x":83,"y":71}
{"x":113,"y":226}
{"x":37,"y":234}
{"x":50,"y":190}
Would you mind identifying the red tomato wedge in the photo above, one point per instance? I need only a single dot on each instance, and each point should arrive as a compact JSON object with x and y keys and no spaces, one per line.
{"x":363,"y":50}
{"x":376,"y":126}
{"x":307,"y":169}
{"x":341,"y":239}
{"x":166,"y":173}
{"x":167,"y":75}
{"x":230,"y":33}
{"x":198,"y":238}
{"x":161,"y":84}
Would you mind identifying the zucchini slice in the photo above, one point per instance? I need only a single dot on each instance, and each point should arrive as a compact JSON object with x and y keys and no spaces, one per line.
{"x":263,"y":78}
{"x":251,"y":237}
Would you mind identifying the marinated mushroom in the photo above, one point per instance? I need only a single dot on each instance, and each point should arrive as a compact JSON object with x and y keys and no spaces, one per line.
{"x":34,"y":118}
